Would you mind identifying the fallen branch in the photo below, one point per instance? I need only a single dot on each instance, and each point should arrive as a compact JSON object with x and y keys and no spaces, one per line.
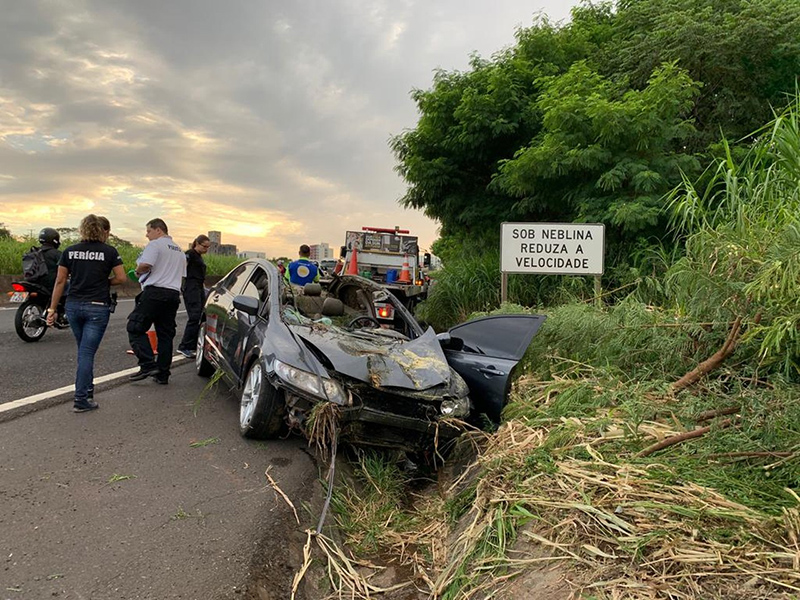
{"x":714,"y":361}
{"x":677,"y":439}
{"x":711,"y":414}
{"x":282,"y":493}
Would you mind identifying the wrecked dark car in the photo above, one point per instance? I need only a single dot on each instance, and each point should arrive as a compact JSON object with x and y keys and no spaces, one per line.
{"x":353,"y":346}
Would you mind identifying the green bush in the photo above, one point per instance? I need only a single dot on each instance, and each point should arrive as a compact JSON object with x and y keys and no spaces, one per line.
{"x":471,"y":283}
{"x":11,"y":252}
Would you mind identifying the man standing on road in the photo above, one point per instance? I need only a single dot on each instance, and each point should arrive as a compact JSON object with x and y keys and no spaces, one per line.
{"x":302,"y":270}
{"x":194,"y":293}
{"x":161,"y":269}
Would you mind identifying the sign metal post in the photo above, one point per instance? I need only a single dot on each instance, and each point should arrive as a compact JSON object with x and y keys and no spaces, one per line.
{"x":552,"y":249}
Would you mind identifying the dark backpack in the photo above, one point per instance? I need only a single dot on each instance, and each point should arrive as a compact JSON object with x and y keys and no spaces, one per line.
{"x":34,"y":266}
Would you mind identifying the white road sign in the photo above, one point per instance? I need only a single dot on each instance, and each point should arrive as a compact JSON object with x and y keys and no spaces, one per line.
{"x":552,"y":248}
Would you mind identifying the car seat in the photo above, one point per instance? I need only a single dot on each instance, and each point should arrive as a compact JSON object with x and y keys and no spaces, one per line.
{"x":332,"y":307}
{"x":310,"y":301}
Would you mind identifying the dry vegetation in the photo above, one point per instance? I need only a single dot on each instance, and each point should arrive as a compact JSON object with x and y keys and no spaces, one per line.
{"x":651,"y":449}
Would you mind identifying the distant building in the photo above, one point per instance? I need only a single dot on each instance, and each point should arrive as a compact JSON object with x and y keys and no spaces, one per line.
{"x":217,"y":247}
{"x":251,"y":254}
{"x":321,"y":251}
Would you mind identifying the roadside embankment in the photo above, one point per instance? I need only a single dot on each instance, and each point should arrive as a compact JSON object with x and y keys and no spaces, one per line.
{"x":127,"y":290}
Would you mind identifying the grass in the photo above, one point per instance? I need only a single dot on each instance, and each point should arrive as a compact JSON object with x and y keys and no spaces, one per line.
{"x":370,"y":512}
{"x":215,"y":378}
{"x":698,"y":519}
{"x":472,"y":283}
{"x":115,"y":478}
{"x":182,"y":515}
{"x":205,"y":442}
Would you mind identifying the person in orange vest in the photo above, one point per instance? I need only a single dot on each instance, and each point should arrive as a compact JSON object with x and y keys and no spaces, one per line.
{"x":302,"y":270}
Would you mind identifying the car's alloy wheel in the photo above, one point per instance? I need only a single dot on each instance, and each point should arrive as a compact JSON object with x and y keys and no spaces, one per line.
{"x":29,"y":322}
{"x":201,"y":364}
{"x":261,"y":406}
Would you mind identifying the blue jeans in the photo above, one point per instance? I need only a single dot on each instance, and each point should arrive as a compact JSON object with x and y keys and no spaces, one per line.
{"x":88,"y":322}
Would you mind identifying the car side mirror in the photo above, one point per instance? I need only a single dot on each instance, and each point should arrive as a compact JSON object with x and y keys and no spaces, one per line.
{"x":448,"y":342}
{"x":426,"y":260}
{"x":343,"y":252}
{"x":246,"y":304}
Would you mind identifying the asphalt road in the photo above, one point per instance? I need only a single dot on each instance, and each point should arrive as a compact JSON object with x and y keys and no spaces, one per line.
{"x":31,"y":368}
{"x":118,"y":504}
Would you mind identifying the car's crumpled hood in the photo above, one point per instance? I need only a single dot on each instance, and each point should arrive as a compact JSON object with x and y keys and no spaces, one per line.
{"x":382,"y":362}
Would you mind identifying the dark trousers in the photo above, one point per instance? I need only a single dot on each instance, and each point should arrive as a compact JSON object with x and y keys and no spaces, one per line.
{"x":158,"y":307}
{"x":193,"y":299}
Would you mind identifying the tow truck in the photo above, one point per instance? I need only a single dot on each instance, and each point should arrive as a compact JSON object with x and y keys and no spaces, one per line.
{"x":382,"y":255}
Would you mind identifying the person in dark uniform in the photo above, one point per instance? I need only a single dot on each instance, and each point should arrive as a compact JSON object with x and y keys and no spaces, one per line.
{"x":87,"y":265}
{"x":194,"y":294}
{"x":50,"y":240}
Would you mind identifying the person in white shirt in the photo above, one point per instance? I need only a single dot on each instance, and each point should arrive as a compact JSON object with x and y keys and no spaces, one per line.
{"x":161,"y":269}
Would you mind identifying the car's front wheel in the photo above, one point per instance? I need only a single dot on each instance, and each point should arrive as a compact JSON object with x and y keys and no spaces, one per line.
{"x":261,"y":408}
{"x":201,"y":364}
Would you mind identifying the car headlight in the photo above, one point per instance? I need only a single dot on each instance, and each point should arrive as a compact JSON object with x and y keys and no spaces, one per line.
{"x":458,"y":407}
{"x":322,"y":387}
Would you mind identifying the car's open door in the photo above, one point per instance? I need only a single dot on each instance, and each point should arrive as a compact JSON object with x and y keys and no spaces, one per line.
{"x":485,"y":351}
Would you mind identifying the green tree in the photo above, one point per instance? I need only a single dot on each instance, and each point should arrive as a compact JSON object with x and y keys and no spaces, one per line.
{"x":5,"y":233}
{"x":471,"y":121}
{"x":595,"y":119}
{"x":746,"y":53}
{"x":605,"y":153}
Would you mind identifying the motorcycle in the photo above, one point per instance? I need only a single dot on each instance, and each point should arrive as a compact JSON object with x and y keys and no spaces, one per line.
{"x":30,"y":320}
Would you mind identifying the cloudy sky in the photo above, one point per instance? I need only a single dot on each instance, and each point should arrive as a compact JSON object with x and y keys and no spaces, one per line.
{"x":266,"y":120}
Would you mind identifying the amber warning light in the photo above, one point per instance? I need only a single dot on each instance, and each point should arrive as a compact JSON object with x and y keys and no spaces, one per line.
{"x":384,"y":311}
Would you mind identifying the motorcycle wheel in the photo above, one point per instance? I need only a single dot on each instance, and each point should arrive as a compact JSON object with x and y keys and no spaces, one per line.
{"x":29,"y":322}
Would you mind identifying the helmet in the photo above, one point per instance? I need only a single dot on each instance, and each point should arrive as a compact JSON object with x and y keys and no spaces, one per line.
{"x":280,"y":263}
{"x":48,"y":235}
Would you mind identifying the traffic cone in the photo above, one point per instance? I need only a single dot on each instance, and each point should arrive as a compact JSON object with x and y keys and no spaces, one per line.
{"x":405,"y":273}
{"x":151,"y":334}
{"x":352,"y":266}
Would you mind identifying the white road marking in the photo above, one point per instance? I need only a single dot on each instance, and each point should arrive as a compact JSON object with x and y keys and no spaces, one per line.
{"x":69,"y":388}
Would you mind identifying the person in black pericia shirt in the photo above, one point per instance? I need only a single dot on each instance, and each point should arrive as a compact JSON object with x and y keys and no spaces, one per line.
{"x":88,"y":266}
{"x":194,"y":294}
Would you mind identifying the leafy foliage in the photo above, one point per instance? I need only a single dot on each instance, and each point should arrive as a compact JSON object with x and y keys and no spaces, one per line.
{"x":605,"y":154}
{"x":595,"y":120}
{"x":743,"y":242}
